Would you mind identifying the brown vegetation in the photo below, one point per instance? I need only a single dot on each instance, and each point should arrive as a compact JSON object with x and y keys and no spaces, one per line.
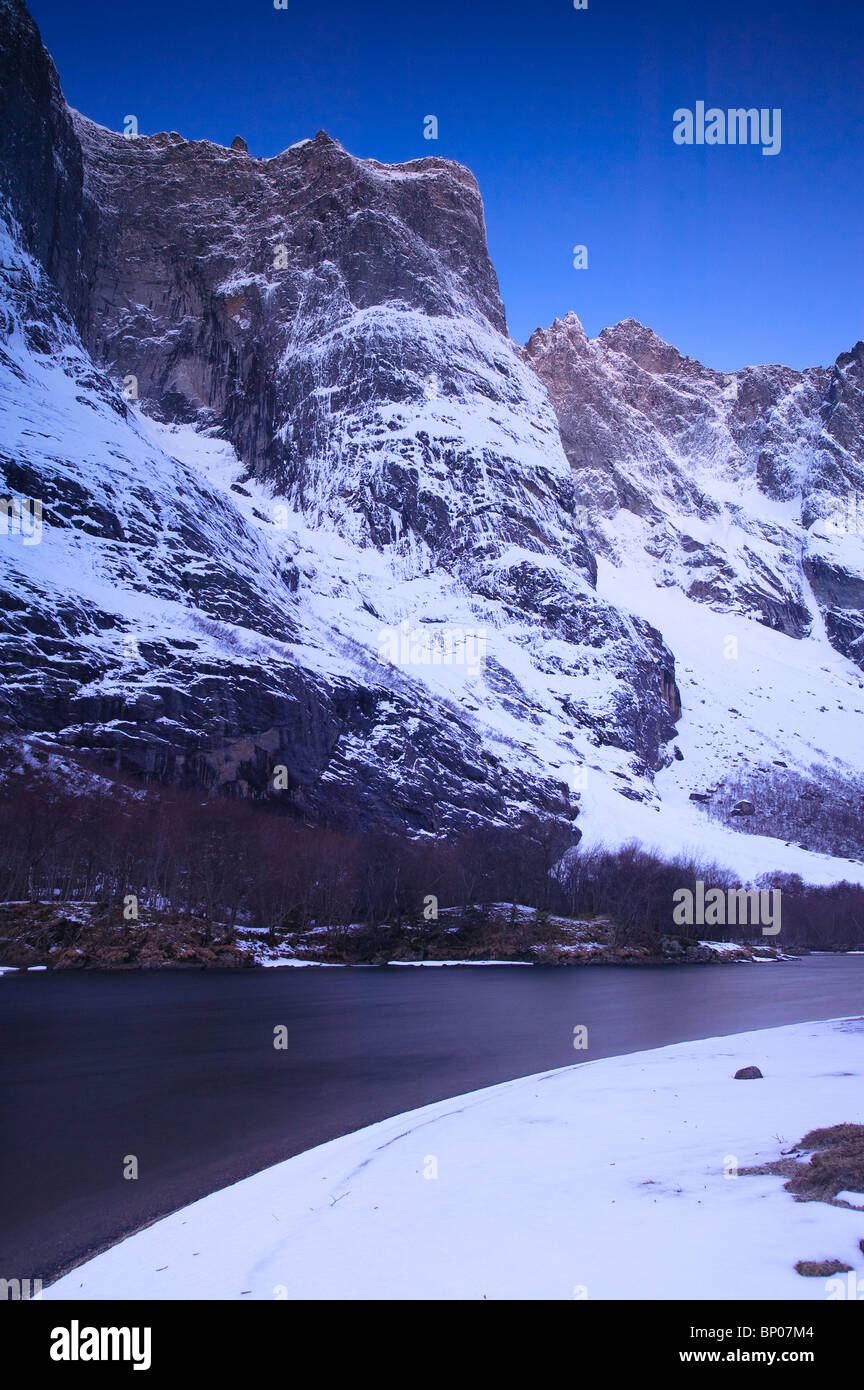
{"x":836,"y":1165}
{"x":75,"y":936}
{"x":71,"y":833}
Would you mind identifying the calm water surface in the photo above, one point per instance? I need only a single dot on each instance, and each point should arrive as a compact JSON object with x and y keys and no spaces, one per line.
{"x":179,"y":1068}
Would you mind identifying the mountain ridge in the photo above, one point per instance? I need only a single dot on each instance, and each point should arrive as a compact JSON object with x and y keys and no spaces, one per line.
{"x":293,"y":426}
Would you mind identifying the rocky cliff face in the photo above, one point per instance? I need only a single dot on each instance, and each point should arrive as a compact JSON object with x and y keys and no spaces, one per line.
{"x":280,"y":440}
{"x":41,"y":170}
{"x":339,"y":321}
{"x":160,"y":622}
{"x":313,"y":531}
{"x":727,"y":510}
{"x":736,"y":485}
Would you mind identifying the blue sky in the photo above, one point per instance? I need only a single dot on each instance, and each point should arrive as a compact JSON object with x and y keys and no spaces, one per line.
{"x":565,"y":117}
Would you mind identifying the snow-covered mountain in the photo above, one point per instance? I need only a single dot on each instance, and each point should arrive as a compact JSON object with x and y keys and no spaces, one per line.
{"x":733,"y":488}
{"x":728,"y":509}
{"x":312,"y":528}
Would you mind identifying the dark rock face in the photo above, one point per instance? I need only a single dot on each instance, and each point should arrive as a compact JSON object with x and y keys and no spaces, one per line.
{"x":338,"y":322}
{"x":212,"y":694}
{"x":41,"y":171}
{"x":748,"y":1074}
{"x":836,"y":586}
{"x":232,"y":286}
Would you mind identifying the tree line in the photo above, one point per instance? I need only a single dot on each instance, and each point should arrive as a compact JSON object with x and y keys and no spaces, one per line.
{"x":92,"y":836}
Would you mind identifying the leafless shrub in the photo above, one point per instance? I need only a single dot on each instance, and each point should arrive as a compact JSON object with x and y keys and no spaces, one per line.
{"x":99,"y":837}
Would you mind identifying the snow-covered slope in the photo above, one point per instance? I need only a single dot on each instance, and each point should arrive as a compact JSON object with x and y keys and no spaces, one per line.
{"x":381,"y":464}
{"x":171,"y":623}
{"x":737,"y":489}
{"x":413,"y":1208}
{"x":307,"y":507}
{"x":729,"y":512}
{"x":199,"y":627}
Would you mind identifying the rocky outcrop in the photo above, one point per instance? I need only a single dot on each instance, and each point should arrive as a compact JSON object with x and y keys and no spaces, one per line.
{"x":41,"y":169}
{"x":81,"y":936}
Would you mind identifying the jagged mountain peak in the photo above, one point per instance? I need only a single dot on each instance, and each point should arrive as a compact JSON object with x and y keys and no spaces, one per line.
{"x":629,"y":337}
{"x":855,"y":353}
{"x":559,"y":330}
{"x":323,"y":138}
{"x":644,"y":347}
{"x":717,"y":483}
{"x":851,"y":364}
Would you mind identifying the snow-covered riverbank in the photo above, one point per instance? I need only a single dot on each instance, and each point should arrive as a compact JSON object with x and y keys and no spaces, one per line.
{"x":605,"y":1180}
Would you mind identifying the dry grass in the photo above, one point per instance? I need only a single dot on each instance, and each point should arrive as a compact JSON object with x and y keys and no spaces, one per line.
{"x":80,"y":935}
{"x":821,"y":1269}
{"x":837,"y":1164}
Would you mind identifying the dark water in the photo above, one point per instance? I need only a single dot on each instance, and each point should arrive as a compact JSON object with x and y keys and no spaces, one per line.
{"x":179,"y":1069}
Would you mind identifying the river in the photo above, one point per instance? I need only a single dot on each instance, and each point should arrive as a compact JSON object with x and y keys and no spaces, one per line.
{"x":178,"y":1068}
